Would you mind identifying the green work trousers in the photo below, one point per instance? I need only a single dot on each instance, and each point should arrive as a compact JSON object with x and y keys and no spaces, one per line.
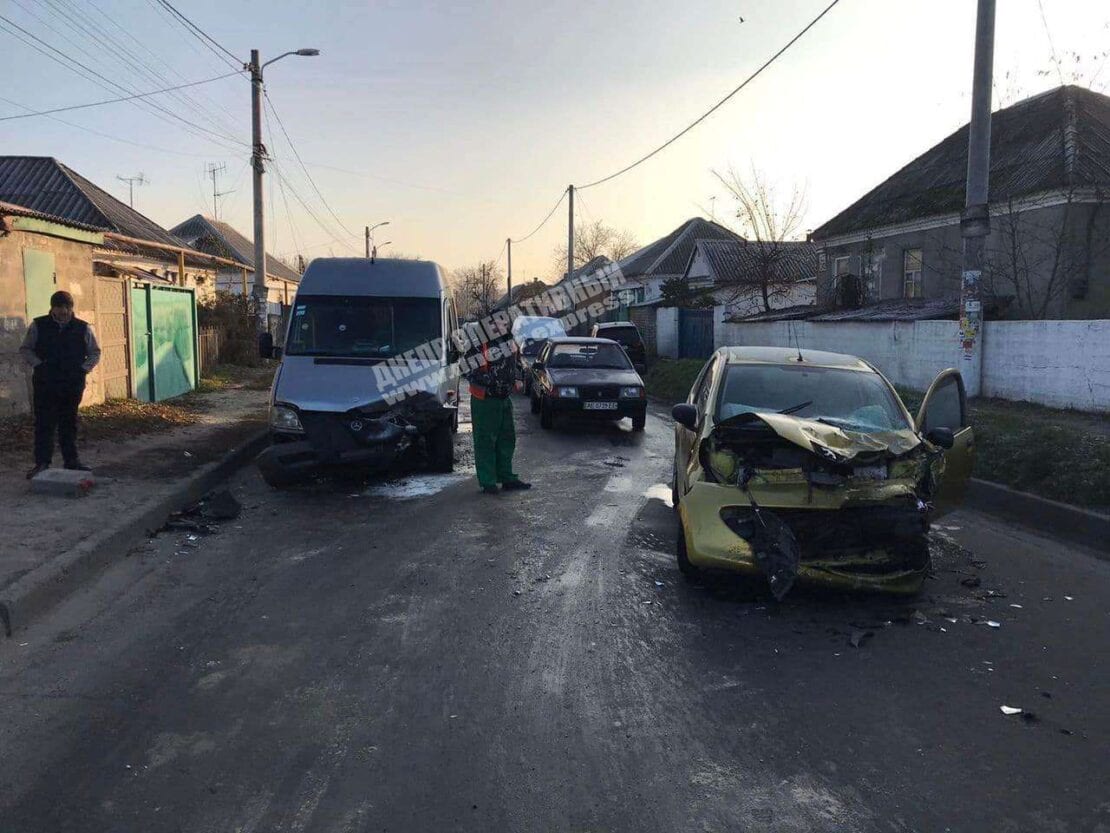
{"x":494,"y":440}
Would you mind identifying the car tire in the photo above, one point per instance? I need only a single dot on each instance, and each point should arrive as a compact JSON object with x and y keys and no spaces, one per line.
{"x":639,"y":421}
{"x":455,"y":420}
{"x":674,"y":491}
{"x":441,"y":448}
{"x":547,"y":419}
{"x":688,"y":570}
{"x":534,"y":403}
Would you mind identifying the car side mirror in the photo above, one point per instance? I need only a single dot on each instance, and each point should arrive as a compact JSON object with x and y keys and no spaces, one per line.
{"x":265,"y":346}
{"x":942,"y":437}
{"x":685,"y":414}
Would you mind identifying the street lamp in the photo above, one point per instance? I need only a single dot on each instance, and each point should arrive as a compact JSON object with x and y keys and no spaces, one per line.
{"x":369,"y":232}
{"x":258,"y":154}
{"x":374,"y":251}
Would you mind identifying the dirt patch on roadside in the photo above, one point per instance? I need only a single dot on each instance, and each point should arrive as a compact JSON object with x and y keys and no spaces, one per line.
{"x":172,"y":461}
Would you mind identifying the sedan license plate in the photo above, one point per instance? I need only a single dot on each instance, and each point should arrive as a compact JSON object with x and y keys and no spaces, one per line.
{"x":599,"y":406}
{"x":870,"y":472}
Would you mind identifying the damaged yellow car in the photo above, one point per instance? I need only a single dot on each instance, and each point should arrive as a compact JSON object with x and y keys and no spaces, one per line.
{"x":805,"y":465}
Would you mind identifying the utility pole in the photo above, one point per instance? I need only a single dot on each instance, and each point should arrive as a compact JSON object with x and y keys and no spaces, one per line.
{"x":258,"y":154}
{"x":975,"y":223}
{"x":370,"y":237}
{"x":509,"y":245}
{"x":131,"y":180}
{"x":368,"y":242}
{"x":213,"y":170}
{"x":570,"y":231}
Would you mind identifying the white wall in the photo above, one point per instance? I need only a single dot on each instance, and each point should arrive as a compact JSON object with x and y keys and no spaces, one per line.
{"x":666,"y":332}
{"x":1064,"y":364}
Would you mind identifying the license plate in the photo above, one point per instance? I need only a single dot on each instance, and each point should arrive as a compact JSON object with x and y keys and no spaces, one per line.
{"x":599,"y":406}
{"x":870,"y":472}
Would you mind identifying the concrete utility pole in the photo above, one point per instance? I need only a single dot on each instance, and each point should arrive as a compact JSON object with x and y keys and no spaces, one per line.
{"x":509,"y":246}
{"x":258,"y":155}
{"x":370,"y":236}
{"x":570,"y":231}
{"x":975,"y":223}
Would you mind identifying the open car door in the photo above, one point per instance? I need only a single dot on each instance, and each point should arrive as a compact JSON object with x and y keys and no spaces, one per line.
{"x":944,"y":410}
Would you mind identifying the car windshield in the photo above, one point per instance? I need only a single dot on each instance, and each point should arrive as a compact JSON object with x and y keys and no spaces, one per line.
{"x":845,"y":398}
{"x":361,"y":327}
{"x":624,"y":336}
{"x":530,"y":332}
{"x":588,"y":355}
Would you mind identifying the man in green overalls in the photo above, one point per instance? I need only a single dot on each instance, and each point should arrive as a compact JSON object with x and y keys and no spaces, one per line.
{"x":492,"y":383}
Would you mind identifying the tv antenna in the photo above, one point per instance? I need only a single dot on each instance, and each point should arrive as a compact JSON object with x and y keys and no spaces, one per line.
{"x":131,"y":180}
{"x":213,"y":171}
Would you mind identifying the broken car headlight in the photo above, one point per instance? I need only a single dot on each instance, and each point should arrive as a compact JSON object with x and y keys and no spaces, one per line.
{"x":567,"y":393}
{"x":633,"y":392}
{"x":284,"y":418}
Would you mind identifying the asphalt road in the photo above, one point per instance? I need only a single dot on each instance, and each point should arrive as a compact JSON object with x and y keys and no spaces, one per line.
{"x":415,"y":656}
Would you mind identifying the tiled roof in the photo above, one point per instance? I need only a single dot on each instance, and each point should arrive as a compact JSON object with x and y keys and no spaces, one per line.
{"x":42,"y":183}
{"x":1055,"y":140}
{"x":668,"y":255}
{"x":219,"y":238}
{"x":734,"y":261}
{"x":595,"y":263}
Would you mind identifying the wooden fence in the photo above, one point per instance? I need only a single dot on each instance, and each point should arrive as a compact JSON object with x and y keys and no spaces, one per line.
{"x":210,"y":340}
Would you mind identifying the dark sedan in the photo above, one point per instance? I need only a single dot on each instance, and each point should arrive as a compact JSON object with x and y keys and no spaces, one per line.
{"x":586,"y":377}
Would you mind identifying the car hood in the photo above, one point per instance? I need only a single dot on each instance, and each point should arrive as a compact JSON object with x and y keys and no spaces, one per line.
{"x":591,"y":376}
{"x":321,"y":384}
{"x":827,"y":441}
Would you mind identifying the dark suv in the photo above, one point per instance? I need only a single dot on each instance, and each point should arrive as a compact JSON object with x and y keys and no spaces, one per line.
{"x":627,"y":335}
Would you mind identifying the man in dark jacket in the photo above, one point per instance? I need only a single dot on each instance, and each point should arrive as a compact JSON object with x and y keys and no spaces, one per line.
{"x":492,"y":379}
{"x":62,"y":349}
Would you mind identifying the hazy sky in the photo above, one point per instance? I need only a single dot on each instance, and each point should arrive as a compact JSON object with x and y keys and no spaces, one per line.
{"x":461,"y":123}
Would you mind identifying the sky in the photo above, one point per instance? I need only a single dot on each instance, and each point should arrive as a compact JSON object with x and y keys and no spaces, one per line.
{"x":462,"y":123}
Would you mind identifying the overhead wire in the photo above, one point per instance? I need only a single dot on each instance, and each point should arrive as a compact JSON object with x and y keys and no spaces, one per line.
{"x":543,"y":222}
{"x":72,"y":64}
{"x":1051,"y":44}
{"x":270,"y":108}
{"x":716,"y":106}
{"x":71,"y":107}
{"x":76,"y":15}
{"x":308,"y":209}
{"x":203,"y":36}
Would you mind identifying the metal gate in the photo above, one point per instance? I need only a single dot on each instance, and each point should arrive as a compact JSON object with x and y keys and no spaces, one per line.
{"x":111,"y":331}
{"x":695,"y":333}
{"x":164,"y":337}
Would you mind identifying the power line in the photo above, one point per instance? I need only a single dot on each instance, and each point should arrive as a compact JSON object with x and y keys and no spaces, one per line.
{"x":70,"y":107}
{"x":543,"y":223}
{"x":203,"y":36}
{"x":84,"y":23}
{"x":1051,"y":45}
{"x":716,"y":106}
{"x":330,"y":232}
{"x":60,"y":57}
{"x":270,"y":107}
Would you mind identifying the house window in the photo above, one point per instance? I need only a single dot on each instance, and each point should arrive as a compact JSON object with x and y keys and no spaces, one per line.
{"x":841,"y":266}
{"x":911,"y":273}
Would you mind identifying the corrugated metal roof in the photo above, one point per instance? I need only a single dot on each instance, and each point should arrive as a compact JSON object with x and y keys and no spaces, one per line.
{"x":1055,"y":140}
{"x":799,"y":312}
{"x":668,"y":255}
{"x":219,"y":238}
{"x":739,"y":261}
{"x":42,"y":183}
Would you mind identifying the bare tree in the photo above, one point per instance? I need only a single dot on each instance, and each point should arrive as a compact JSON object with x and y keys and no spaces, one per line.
{"x":593,"y":239}
{"x":770,"y":227}
{"x":477,"y":288}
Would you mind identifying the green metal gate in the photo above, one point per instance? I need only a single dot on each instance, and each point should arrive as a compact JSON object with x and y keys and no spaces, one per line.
{"x":164,"y":339}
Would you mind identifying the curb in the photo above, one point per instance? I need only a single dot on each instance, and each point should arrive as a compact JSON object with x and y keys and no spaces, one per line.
{"x":49,"y":583}
{"x":1061,"y":520}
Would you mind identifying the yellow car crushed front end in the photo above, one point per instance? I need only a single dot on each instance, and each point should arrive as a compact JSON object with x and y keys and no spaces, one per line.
{"x":789,"y":498}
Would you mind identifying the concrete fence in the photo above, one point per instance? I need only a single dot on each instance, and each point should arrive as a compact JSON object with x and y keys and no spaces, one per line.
{"x":1063,"y":364}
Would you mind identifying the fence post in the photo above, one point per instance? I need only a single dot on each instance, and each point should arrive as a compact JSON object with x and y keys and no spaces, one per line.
{"x":151,"y":361}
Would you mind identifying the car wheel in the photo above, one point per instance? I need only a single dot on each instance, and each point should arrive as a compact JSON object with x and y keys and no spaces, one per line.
{"x":455,"y":422}
{"x":688,"y":570}
{"x":534,"y":402}
{"x":639,"y":421}
{"x":441,"y":448}
{"x":547,"y":419}
{"x":674,"y":491}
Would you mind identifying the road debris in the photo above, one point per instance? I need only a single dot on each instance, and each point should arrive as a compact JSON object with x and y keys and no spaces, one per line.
{"x":972,"y":582}
{"x":858,"y":637}
{"x":1010,"y":710}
